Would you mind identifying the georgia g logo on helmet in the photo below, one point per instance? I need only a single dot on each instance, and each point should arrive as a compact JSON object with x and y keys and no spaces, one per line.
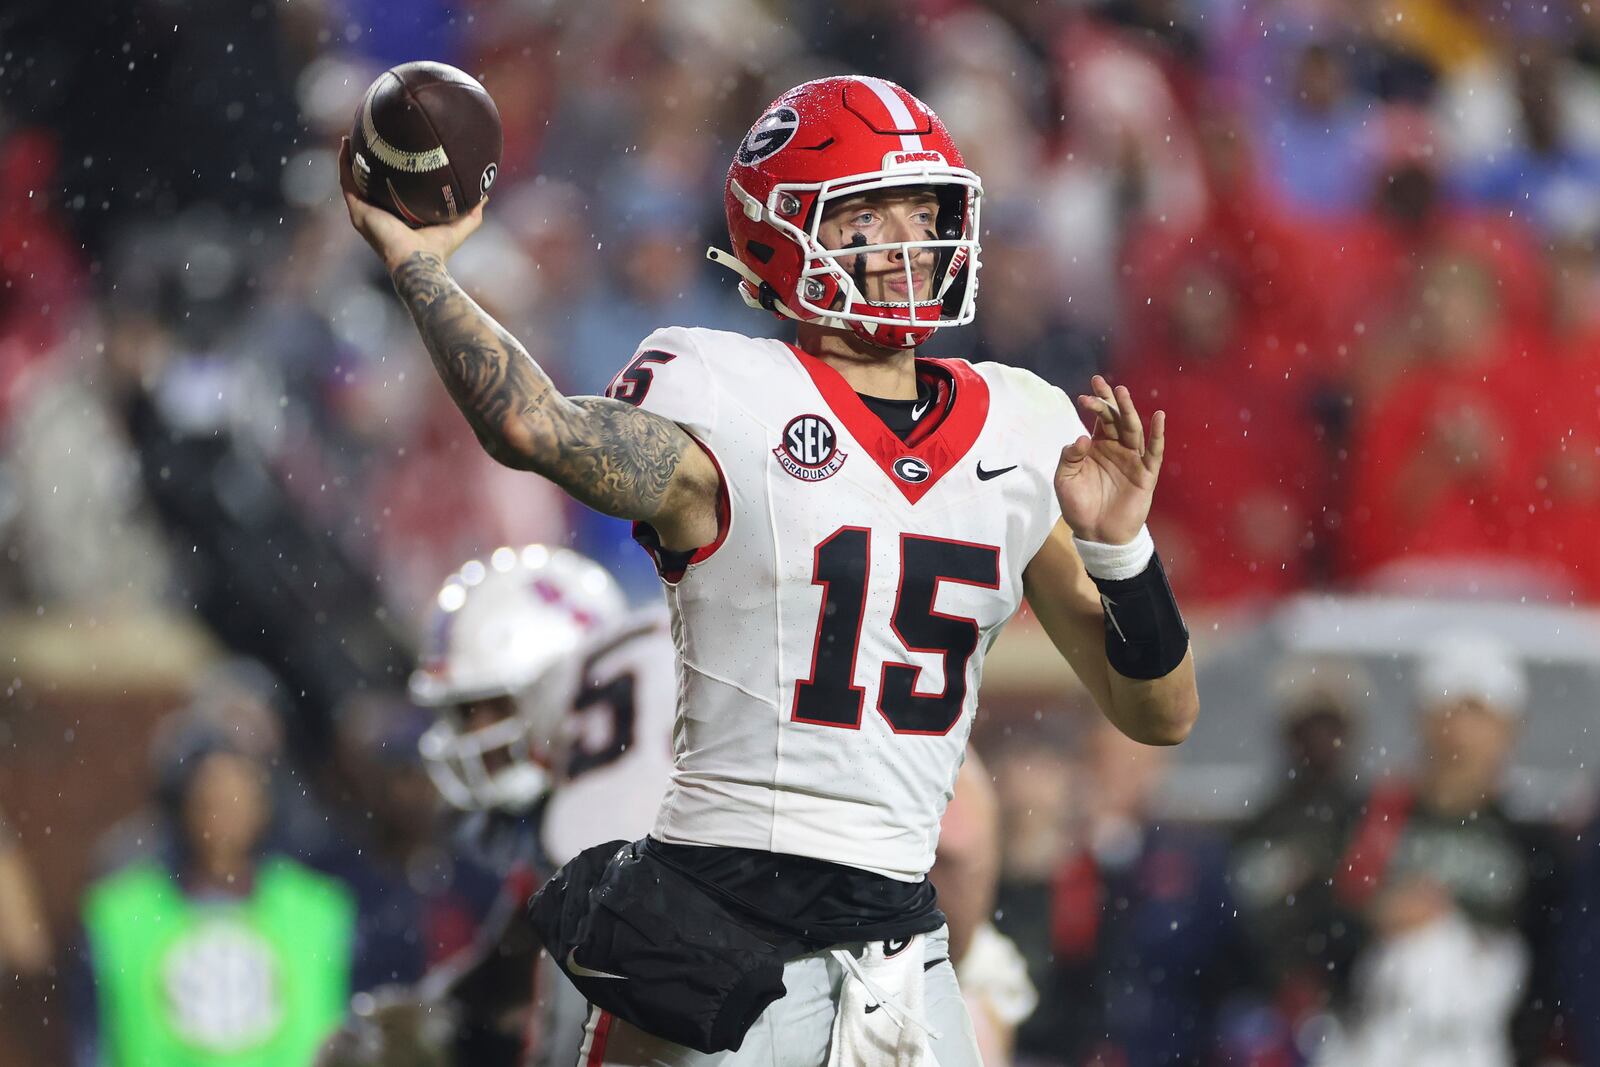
{"x":768,"y":136}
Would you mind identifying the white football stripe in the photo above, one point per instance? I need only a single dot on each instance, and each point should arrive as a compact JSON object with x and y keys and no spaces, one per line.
{"x":909,"y":142}
{"x":396,"y":158}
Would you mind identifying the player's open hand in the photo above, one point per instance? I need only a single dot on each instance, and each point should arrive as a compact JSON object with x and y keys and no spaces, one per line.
{"x":1105,"y":481}
{"x":390,"y":237}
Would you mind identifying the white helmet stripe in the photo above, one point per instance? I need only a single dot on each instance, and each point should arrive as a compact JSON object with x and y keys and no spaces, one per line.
{"x":909,"y":142}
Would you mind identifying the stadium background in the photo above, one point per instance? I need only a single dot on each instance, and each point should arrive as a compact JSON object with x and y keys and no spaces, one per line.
{"x":1348,"y":246}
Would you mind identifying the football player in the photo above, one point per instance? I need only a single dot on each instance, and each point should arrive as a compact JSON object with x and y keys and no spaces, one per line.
{"x":556,"y":732}
{"x":555,"y":707}
{"x":541,"y":675}
{"x":842,"y":528}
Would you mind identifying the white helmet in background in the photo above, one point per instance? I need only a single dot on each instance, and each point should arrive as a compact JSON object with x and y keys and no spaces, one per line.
{"x":512,"y":626}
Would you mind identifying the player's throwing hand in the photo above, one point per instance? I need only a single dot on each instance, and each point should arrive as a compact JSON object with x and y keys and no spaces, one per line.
{"x":390,"y":237}
{"x":1105,"y":481}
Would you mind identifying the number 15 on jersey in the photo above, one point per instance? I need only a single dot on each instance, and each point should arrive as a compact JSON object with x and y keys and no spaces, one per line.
{"x":841,"y":566}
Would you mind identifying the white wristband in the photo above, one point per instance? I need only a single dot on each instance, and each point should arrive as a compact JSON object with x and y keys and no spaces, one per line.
{"x":1113,"y":563}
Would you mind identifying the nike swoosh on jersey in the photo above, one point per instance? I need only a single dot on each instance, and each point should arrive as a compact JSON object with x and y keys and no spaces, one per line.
{"x":984,"y":475}
{"x":917,"y":410}
{"x":579,"y":970}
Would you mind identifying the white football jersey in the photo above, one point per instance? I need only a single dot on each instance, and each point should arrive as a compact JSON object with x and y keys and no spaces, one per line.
{"x":621,"y":739}
{"x":832,"y":638}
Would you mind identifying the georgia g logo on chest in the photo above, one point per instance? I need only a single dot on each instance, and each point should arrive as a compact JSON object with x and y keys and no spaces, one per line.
{"x":809,"y":449}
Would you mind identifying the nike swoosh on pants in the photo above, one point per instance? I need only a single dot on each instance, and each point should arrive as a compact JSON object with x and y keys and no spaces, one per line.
{"x":578,"y":969}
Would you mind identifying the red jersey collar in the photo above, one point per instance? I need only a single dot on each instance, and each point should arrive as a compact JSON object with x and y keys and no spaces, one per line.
{"x":938,"y":449}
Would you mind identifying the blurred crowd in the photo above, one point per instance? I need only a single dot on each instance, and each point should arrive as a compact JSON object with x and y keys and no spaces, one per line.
{"x":1346,"y":921}
{"x":1348,"y":245}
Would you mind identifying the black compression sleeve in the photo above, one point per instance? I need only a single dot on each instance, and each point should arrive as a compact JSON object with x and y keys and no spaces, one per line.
{"x":1145,"y":634}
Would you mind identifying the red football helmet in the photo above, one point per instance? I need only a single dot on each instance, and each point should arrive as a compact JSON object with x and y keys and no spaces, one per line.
{"x":830,"y":139}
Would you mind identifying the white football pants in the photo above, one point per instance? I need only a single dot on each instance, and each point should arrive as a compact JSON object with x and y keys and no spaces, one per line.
{"x":797,"y":1029}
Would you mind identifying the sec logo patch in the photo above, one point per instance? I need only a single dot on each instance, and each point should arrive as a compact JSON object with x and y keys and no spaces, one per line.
{"x":809,"y":449}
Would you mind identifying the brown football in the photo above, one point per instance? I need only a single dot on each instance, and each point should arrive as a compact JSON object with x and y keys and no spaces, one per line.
{"x":426,"y":143}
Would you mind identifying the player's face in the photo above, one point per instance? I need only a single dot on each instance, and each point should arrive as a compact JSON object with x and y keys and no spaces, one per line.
{"x":480,"y":714}
{"x":884,"y":217}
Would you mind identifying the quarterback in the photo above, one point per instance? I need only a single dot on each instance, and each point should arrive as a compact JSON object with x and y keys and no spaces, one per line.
{"x":842,"y":528}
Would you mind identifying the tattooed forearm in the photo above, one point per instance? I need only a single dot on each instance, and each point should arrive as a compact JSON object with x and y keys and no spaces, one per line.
{"x":492,"y":379}
{"x":610,"y":456}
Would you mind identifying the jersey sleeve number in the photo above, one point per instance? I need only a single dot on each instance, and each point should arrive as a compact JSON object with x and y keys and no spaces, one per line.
{"x":841,"y":565}
{"x":633,"y":381}
{"x":613,"y":704}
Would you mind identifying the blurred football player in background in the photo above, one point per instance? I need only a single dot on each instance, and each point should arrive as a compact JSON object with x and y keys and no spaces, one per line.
{"x":554,"y":711}
{"x":503,"y":666}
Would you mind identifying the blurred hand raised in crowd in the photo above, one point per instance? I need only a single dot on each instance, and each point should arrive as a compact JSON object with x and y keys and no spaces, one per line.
{"x":390,"y":237}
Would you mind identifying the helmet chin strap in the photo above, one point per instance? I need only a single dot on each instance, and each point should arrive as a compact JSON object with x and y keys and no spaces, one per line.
{"x":749,"y":295}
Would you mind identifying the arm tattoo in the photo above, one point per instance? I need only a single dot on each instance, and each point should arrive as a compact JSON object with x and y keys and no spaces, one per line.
{"x":610,"y":456}
{"x":491,"y":378}
{"x":617,"y":458}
